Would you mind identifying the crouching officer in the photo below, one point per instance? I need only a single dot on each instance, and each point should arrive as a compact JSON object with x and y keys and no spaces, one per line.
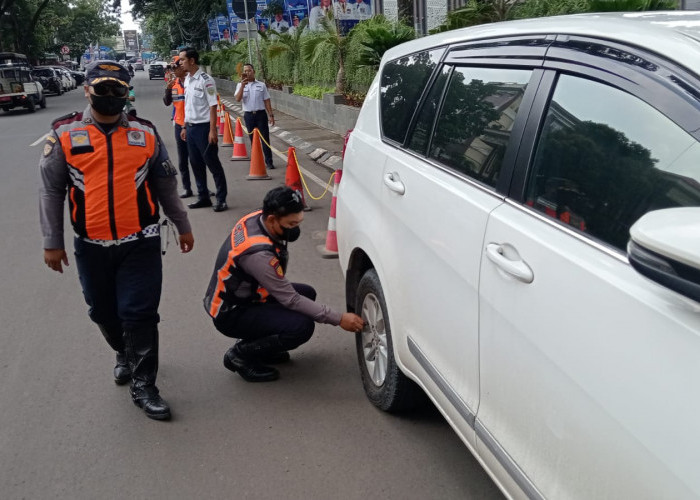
{"x":116,"y":172}
{"x":250,"y":298}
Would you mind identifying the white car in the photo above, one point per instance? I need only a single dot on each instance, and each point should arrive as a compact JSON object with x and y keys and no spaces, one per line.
{"x":518,"y":222}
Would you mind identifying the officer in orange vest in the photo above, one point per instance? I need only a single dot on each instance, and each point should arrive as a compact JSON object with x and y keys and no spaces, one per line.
{"x":116,"y":172}
{"x":250,"y":298}
{"x":175,"y":95}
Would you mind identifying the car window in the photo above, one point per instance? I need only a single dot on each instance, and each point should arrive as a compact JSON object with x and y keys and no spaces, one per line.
{"x":605,"y":158}
{"x":426,"y":117}
{"x":402,"y":84}
{"x":477,"y":116}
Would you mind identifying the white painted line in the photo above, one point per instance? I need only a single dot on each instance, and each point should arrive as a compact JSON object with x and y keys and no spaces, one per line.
{"x":39,"y":140}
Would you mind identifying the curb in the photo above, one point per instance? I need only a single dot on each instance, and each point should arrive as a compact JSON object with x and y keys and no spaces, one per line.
{"x":321,"y":156}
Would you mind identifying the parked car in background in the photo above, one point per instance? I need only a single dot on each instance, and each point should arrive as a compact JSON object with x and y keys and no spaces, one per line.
{"x":78,"y":76}
{"x":18,"y":88}
{"x":156,"y":70}
{"x":50,"y":79}
{"x":518,"y":223}
{"x":66,"y":80}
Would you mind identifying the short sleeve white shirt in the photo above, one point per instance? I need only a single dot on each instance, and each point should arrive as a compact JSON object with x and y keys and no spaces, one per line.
{"x":200,"y":96}
{"x":254,"y":95}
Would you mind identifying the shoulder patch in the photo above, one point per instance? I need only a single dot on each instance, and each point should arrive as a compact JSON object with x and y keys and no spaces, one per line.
{"x":48,"y":147}
{"x":65,"y":118}
{"x":275,"y":264}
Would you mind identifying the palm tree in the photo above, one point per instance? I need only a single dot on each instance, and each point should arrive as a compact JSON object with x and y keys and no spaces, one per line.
{"x":381,"y":35}
{"x":328,"y":38}
{"x":282,"y":43}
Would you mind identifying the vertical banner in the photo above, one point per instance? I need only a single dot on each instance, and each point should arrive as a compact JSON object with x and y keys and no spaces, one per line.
{"x":297,"y":10}
{"x":131,"y":42}
{"x":224,"y":28}
{"x":213,"y":30}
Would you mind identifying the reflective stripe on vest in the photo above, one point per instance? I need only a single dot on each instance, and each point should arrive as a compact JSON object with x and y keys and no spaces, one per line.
{"x":241,"y":242}
{"x":178,"y":94}
{"x":110,"y":198}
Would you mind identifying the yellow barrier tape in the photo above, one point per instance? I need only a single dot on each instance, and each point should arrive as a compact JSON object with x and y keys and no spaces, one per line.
{"x":301,"y":175}
{"x":303,"y":181}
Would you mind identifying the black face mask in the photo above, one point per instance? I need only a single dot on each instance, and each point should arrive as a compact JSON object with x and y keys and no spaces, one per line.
{"x":290,"y":234}
{"x":108,"y":105}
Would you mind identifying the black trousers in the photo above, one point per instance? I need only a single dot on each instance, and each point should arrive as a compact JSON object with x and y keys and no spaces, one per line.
{"x":203,"y":155}
{"x":122,"y":286}
{"x":259,"y":320}
{"x":183,"y":159}
{"x":259,"y":120}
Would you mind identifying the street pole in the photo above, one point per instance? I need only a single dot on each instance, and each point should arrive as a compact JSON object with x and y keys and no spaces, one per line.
{"x":247,"y":29}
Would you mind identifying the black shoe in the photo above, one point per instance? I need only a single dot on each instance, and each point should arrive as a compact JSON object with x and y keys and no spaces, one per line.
{"x":122,"y":372}
{"x":200,"y":204}
{"x":150,"y":401}
{"x":220,"y":207}
{"x":270,"y":166}
{"x":186,"y":194}
{"x":274,"y":358}
{"x":250,"y":370}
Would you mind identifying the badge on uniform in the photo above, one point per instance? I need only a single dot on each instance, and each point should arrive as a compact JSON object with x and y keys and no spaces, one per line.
{"x":275,"y":263}
{"x":48,"y":147}
{"x":136,"y":138}
{"x":210,"y":90}
{"x":79,"y":138}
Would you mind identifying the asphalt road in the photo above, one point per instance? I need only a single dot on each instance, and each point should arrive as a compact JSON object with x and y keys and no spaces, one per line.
{"x":67,"y":431}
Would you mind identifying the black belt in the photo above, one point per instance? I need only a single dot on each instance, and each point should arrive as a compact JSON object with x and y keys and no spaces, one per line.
{"x":257,"y":111}
{"x":190,"y":124}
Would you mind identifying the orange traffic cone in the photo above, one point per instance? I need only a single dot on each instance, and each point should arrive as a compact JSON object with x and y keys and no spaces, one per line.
{"x":257,"y":163}
{"x":239,"y":150}
{"x":228,"y":139}
{"x":330,"y":251}
{"x":292,"y":177}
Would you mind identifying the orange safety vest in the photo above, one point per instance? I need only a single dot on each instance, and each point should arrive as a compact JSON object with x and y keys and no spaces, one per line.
{"x":229,"y":284}
{"x":178,"y":93}
{"x":109,"y":196}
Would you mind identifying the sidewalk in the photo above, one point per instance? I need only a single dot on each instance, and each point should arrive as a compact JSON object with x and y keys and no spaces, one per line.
{"x":319,"y":144}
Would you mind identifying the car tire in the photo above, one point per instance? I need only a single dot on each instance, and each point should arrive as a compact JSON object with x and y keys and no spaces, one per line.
{"x":42,"y":103}
{"x":31,"y":105}
{"x":384,"y":383}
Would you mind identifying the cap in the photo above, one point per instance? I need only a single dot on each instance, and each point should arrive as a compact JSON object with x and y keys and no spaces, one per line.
{"x":175,"y":59}
{"x":281,"y":201}
{"x":102,"y":71}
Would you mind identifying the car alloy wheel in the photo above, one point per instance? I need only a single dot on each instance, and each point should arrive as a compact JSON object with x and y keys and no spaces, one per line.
{"x":374,"y":345}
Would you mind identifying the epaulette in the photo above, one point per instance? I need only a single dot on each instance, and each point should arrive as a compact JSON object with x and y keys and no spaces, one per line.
{"x":64,"y":118}
{"x":205,"y":76}
{"x":141,"y":120}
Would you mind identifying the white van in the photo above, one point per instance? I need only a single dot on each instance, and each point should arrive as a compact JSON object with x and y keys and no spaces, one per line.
{"x":518,"y":222}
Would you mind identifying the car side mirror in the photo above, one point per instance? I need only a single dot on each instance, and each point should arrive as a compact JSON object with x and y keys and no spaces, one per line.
{"x":664,"y":246}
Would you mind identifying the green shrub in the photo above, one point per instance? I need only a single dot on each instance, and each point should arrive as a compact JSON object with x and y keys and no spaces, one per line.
{"x":312,"y":91}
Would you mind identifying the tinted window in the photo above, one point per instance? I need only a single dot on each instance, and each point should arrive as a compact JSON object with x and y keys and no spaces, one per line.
{"x":476,"y":120}
{"x":402,"y":84}
{"x":426,"y":117}
{"x":605,"y":158}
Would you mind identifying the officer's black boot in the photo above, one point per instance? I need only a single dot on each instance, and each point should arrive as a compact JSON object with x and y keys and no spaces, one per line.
{"x":142,"y":354}
{"x":114,"y":335}
{"x":244,"y":357}
{"x":274,"y":358}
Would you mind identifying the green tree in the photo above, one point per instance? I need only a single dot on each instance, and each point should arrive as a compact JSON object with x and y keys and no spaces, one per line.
{"x":328,"y":39}
{"x":379,"y":36}
{"x":285,"y":43}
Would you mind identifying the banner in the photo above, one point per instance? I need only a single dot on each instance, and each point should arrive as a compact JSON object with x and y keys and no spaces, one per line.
{"x":224,"y":28}
{"x":213,"y":30}
{"x":131,"y":40}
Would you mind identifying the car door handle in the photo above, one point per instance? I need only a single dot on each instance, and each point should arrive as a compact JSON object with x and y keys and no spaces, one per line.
{"x":514,"y":267}
{"x":393,"y":182}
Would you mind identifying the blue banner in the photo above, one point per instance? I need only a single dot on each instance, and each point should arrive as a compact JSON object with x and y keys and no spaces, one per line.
{"x":213,"y":30}
{"x":224,"y":27}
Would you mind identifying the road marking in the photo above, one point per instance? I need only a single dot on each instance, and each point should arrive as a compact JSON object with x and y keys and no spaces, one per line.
{"x":39,"y":140}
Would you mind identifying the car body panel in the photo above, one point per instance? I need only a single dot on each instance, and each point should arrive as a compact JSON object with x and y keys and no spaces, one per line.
{"x":566,"y":372}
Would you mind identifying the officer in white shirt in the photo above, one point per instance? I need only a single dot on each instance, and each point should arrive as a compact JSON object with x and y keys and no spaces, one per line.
{"x":201,"y":131}
{"x":363,"y":10}
{"x":317,"y":13}
{"x":279,"y":24}
{"x":257,"y":109}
